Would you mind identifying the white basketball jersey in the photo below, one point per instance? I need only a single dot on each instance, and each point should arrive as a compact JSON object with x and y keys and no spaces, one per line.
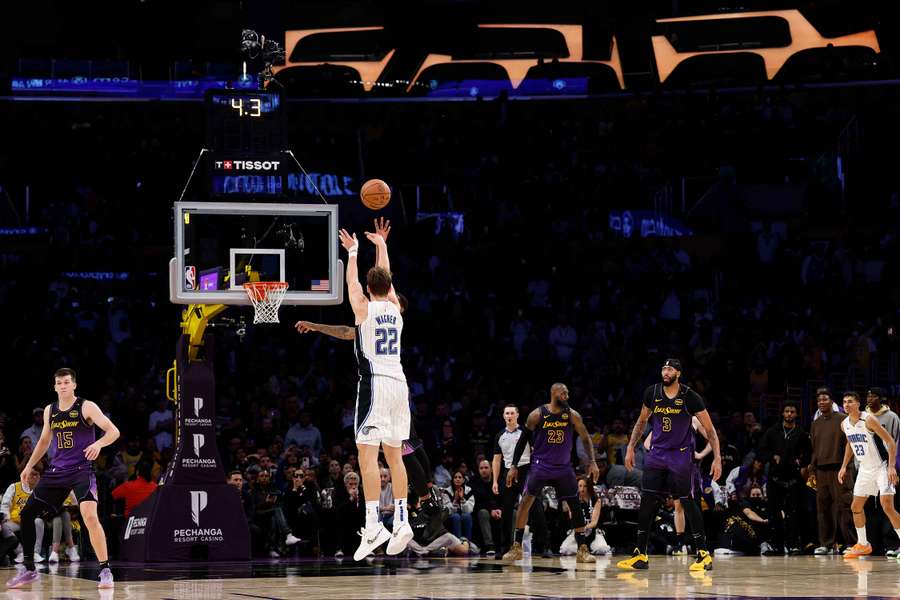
{"x":862,"y":442}
{"x":378,"y":341}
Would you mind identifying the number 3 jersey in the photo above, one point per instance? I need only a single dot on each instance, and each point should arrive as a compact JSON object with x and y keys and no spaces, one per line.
{"x":868,"y":449}
{"x":670,"y":418}
{"x":69,"y":436}
{"x":378,"y":341}
{"x":552,"y":440}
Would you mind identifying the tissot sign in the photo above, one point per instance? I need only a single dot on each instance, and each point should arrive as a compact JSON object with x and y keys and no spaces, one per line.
{"x":803,"y":36}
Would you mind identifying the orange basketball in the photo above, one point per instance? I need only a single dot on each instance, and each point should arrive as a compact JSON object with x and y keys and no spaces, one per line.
{"x":375,"y":194}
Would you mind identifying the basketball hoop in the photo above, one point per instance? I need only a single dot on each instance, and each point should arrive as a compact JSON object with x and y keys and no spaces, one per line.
{"x":266,"y":297}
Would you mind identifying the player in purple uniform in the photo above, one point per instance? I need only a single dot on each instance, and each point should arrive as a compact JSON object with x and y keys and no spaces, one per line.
{"x":69,"y":427}
{"x":668,"y":467}
{"x":549,"y":429}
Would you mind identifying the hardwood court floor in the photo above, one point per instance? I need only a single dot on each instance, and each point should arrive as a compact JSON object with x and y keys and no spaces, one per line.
{"x":668,"y":577}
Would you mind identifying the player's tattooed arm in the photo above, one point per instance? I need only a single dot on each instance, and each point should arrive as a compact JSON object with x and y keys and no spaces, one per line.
{"x":341,"y":332}
{"x":636,"y":436}
{"x":585,"y":437}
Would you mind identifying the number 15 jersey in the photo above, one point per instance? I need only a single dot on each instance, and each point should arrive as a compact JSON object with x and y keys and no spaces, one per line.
{"x":378,"y":341}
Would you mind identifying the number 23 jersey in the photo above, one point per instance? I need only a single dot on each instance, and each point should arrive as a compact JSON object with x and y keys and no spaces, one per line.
{"x":864,"y":442}
{"x":378,"y":341}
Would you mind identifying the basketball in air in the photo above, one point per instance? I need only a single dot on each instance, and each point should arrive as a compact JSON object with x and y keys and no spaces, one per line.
{"x":375,"y":194}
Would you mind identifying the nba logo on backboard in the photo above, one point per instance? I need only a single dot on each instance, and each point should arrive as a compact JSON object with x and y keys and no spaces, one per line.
{"x":198,"y":503}
{"x":190,"y":277}
{"x":198,"y":404}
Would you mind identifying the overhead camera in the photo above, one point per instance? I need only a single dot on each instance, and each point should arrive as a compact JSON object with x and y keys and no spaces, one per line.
{"x":258,"y":49}
{"x":288,"y":239}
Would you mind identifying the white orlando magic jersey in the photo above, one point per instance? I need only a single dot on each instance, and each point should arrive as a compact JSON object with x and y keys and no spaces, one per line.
{"x":862,"y":442}
{"x":378,"y":341}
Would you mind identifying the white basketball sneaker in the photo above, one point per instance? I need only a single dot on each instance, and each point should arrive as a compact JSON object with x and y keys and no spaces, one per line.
{"x":400,"y":539}
{"x":371,"y":538}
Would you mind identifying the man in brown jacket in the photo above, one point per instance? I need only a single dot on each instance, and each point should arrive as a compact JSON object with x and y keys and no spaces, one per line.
{"x":832,"y":498}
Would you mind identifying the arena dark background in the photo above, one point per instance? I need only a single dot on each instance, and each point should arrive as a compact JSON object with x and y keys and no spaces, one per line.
{"x":756,"y":318}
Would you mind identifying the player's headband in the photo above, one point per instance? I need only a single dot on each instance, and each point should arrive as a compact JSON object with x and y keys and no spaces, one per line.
{"x":674,"y":363}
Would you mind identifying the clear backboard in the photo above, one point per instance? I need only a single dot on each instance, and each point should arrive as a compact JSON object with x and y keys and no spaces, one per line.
{"x":219,"y":246}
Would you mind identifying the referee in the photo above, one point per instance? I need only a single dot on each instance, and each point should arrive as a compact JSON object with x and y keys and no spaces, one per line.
{"x":504,"y":447}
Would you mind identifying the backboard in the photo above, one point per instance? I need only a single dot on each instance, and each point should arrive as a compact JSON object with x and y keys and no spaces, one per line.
{"x":219,"y":246}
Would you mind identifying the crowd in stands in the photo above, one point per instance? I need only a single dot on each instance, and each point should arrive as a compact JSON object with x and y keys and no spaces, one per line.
{"x":536,"y":289}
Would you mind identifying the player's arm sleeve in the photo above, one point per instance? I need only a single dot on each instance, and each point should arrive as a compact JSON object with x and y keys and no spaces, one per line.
{"x":524,"y":440}
{"x":693,"y":402}
{"x":648,"y":397}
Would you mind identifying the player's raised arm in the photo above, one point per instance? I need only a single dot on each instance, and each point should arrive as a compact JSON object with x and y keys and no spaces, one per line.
{"x":358,"y":300}
{"x":110,"y":432}
{"x":41,"y":447}
{"x":379,"y":239}
{"x":383,"y":229}
{"x":341,"y":332}
{"x":582,"y":432}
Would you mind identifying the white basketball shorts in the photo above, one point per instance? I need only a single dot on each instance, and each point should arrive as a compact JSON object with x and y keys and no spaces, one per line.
{"x":382,"y":411}
{"x":872,"y":482}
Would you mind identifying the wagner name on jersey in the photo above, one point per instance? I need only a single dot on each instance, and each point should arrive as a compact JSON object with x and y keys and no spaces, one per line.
{"x":868,"y":449}
{"x":378,"y":341}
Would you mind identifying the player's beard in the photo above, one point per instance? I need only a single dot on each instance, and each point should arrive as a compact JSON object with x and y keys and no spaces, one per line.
{"x":670,"y":382}
{"x":564,"y":404}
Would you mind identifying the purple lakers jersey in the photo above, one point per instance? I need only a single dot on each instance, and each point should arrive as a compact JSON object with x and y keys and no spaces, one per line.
{"x":671,"y":417}
{"x":552,"y":439}
{"x":69,"y":436}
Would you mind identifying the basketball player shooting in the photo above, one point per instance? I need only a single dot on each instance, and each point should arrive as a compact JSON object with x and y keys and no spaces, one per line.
{"x":550,"y":429}
{"x":668,"y":466}
{"x":415,"y":459}
{"x":69,"y":428}
{"x":382,"y":417}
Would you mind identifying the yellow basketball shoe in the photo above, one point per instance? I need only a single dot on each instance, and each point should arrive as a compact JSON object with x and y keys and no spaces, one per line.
{"x":638,"y":560}
{"x":703,"y":562}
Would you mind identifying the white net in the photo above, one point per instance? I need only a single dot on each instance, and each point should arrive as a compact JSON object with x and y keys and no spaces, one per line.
{"x":266,"y":297}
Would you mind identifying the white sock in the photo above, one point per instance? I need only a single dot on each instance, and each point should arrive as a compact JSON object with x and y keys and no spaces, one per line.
{"x":861,"y":536}
{"x":401,"y":515}
{"x":371,"y":513}
{"x":897,"y":531}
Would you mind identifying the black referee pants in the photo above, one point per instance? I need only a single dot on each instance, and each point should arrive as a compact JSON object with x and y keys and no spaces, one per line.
{"x":536,"y":520}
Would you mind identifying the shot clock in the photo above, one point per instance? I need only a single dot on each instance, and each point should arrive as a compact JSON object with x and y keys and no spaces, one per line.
{"x":245,"y":121}
{"x":246,"y":136}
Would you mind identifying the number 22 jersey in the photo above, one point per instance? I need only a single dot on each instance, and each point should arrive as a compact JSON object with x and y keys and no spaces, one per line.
{"x":378,"y":341}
